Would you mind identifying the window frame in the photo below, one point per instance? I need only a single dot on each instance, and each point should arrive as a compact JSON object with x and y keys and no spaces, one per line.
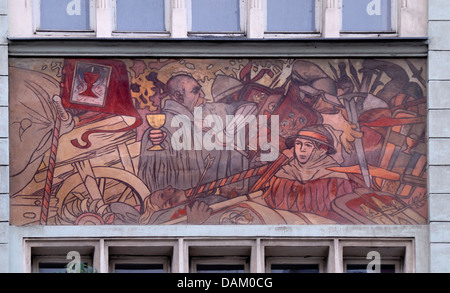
{"x":25,"y":20}
{"x":298,"y":250}
{"x":398,"y":263}
{"x":318,"y":19}
{"x":142,"y":251}
{"x":227,"y":260}
{"x":225,"y":251}
{"x":36,"y":252}
{"x":118,"y":259}
{"x":270,"y":260}
{"x":122,"y":33}
{"x":243,"y":14}
{"x":399,"y":252}
{"x":393,"y":32}
{"x":37,"y":260}
{"x":36,"y":22}
{"x":183,"y":254}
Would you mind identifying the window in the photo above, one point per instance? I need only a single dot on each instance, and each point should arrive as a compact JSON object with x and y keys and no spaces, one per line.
{"x":57,"y":256}
{"x":139,"y":256}
{"x":362,"y":257}
{"x":292,"y":265}
{"x":293,"y":256}
{"x":291,"y":16}
{"x":235,"y":18}
{"x":227,"y":255}
{"x":362,"y":268}
{"x":141,"y":15}
{"x":219,"y":265}
{"x":139,"y":265}
{"x":213,"y":257}
{"x":51,"y":266}
{"x":367,"y":15}
{"x":64,"y":15}
{"x":218,"y":16}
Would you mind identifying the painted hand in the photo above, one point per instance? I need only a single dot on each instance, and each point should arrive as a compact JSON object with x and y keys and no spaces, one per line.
{"x":348,"y":132}
{"x":348,"y":136}
{"x":198,"y":213}
{"x":157,"y":136}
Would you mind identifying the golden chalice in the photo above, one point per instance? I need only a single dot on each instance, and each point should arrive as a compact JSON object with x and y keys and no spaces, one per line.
{"x":156,"y":121}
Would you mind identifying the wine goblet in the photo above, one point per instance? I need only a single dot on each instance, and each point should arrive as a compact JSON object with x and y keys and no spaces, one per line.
{"x":156,"y":121}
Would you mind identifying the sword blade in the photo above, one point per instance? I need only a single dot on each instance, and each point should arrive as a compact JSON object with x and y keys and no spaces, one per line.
{"x":350,"y":106}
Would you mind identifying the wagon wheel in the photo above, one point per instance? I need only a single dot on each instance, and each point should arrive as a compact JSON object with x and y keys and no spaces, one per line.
{"x":76,"y":205}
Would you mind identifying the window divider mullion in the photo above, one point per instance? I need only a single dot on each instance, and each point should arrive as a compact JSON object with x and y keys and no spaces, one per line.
{"x":331,"y":18}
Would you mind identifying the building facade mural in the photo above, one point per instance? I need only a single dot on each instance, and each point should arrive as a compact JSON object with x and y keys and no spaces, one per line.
{"x":217,"y":141}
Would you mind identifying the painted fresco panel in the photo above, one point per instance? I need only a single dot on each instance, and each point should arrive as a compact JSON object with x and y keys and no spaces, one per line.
{"x":217,"y":141}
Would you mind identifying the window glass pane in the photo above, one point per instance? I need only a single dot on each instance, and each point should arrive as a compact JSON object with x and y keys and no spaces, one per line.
{"x":362,"y":268}
{"x":52,"y":268}
{"x":294,"y":268}
{"x":290,"y":15}
{"x":366,"y":15}
{"x":215,"y":16}
{"x":387,"y":269}
{"x":140,"y":15}
{"x":66,"y":15}
{"x":138,"y":268}
{"x":220,"y":268}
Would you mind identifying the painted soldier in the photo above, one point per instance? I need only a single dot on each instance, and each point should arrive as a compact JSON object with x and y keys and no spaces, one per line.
{"x":305,"y":184}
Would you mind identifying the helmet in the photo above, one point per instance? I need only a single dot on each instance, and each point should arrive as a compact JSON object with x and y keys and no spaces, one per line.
{"x":224,"y":86}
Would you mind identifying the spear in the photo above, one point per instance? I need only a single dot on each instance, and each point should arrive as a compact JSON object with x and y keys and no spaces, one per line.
{"x":258,"y":171}
{"x":265,"y":173}
{"x":417,"y":73}
{"x":208,"y":163}
{"x":61,"y":115}
{"x":354,"y":74}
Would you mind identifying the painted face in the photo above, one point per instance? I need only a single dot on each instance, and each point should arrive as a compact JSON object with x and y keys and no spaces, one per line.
{"x":193,"y":94}
{"x":168,"y":197}
{"x":303,"y":149}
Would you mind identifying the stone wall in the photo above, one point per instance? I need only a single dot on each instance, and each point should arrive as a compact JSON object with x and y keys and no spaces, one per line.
{"x":4,"y":140}
{"x":439,"y":135}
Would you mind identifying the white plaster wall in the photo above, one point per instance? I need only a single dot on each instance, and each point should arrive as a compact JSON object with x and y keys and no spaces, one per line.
{"x":439,"y":135}
{"x":412,"y":18}
{"x":418,"y":233}
{"x":4,"y":142}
